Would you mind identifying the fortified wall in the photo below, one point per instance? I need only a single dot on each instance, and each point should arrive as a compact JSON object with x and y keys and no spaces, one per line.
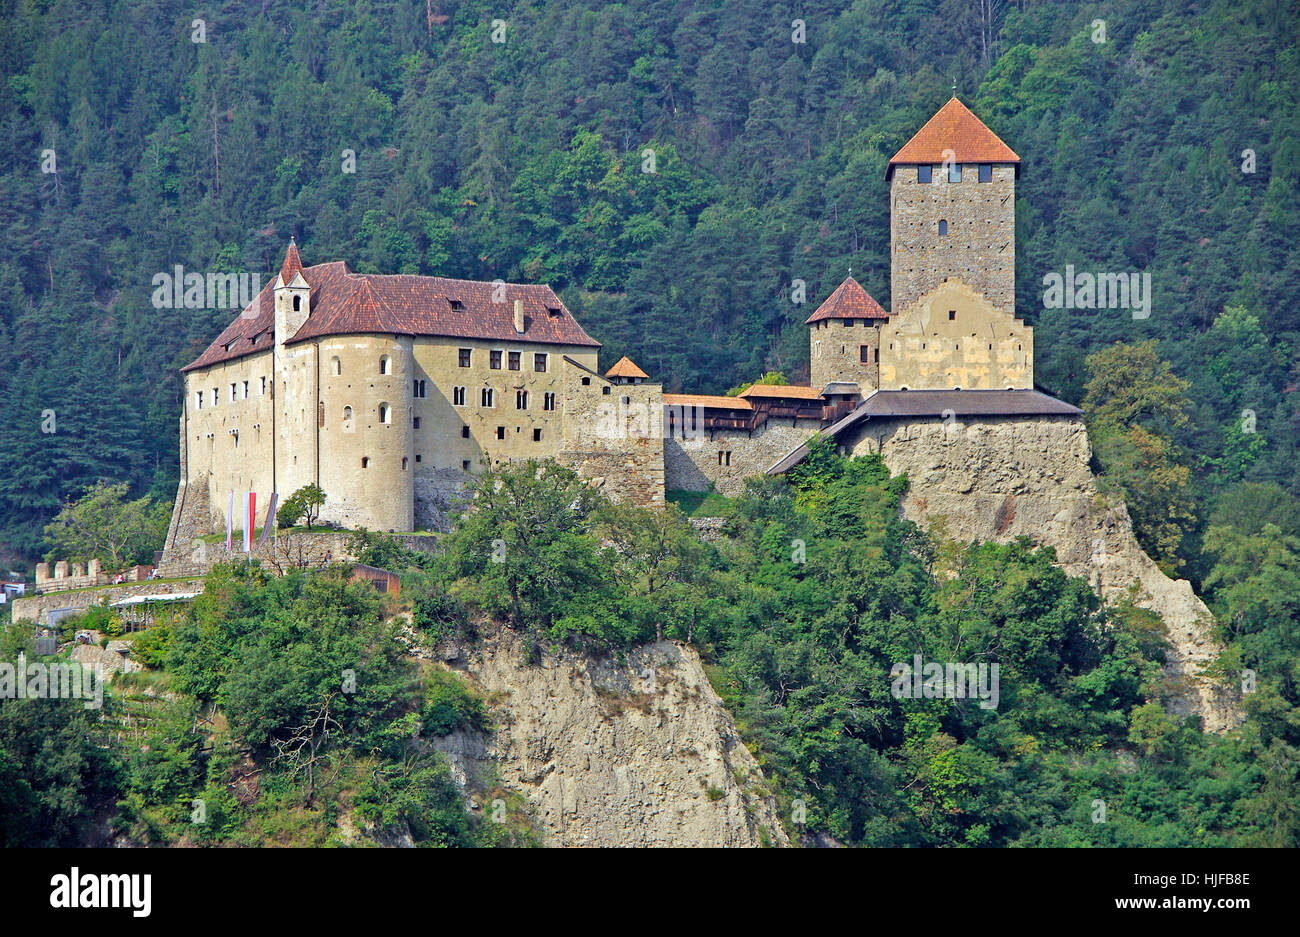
{"x":613,"y":436}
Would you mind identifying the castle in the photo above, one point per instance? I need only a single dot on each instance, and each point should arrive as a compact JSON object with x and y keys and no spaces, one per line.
{"x":392,"y":392}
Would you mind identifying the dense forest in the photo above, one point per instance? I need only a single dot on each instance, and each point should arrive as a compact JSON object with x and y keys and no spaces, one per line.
{"x":130,"y":146}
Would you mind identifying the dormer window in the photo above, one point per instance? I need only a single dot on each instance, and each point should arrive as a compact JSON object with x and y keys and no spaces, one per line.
{"x":456,"y":304}
{"x":553,"y":312}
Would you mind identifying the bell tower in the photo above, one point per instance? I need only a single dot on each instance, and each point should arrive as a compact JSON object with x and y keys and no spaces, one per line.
{"x":292,"y":297}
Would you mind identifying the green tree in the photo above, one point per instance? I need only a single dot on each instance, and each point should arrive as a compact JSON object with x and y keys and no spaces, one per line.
{"x":103,"y":525}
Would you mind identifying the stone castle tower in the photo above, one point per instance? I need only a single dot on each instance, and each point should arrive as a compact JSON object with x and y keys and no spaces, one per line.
{"x":952,"y":324}
{"x":952,"y":210}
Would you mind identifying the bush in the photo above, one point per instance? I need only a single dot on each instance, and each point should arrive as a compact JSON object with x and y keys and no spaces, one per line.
{"x":450,"y":704}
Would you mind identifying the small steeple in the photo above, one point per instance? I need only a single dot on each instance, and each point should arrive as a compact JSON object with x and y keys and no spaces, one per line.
{"x":292,"y":263}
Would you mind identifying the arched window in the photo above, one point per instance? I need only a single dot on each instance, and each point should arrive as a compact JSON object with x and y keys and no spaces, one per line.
{"x":347,"y":413}
{"x":365,"y":461}
{"x":943,"y":227}
{"x":385,"y":413}
{"x":383,"y":364}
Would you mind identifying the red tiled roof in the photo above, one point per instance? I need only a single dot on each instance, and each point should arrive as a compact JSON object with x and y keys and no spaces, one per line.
{"x":788,"y":391}
{"x":292,"y":263}
{"x":954,"y":128}
{"x":346,"y":303}
{"x":625,"y":367}
{"x":706,"y":400}
{"x":849,"y":301}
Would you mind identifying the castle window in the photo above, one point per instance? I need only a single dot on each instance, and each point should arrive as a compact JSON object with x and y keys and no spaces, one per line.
{"x":234,"y":391}
{"x":385,"y":413}
{"x":876,"y":356}
{"x":521,"y":400}
{"x":539,"y":362}
{"x":464,"y":357}
{"x":548,"y":401}
{"x":418,"y":457}
{"x":954,"y":172}
{"x":952,"y":314}
{"x":864,"y":353}
{"x":586,"y":381}
{"x":347,"y":414}
{"x":847,"y":323}
{"x":365,"y":461}
{"x":494,"y":360}
{"x":263,"y":387}
{"x":216,"y":396}
{"x":417,"y":388}
{"x":245,"y":390}
{"x":464,"y":465}
{"x":986,"y":172}
{"x":464,"y":432}
{"x":924,"y":173}
{"x":537,"y":435}
{"x":485,"y":397}
{"x":297,"y":303}
{"x":458,"y":396}
{"x":384,"y":365}
{"x":416,"y":423}
{"x":501,"y":432}
{"x":336,"y":366}
{"x":943,"y":227}
{"x":514,"y":361}
{"x":200,"y":400}
{"x":605,"y":390}
{"x":403,"y":463}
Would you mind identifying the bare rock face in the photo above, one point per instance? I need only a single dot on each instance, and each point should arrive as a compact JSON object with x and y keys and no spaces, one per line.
{"x":636,"y":751}
{"x":998,"y":479}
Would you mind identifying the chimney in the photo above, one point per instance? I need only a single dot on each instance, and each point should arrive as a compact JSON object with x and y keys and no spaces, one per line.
{"x":519,"y":316}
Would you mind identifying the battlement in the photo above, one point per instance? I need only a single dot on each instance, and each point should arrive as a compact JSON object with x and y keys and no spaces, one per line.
{"x":85,"y":575}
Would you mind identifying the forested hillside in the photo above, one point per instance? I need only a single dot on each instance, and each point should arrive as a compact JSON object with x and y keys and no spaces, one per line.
{"x":524,"y":159}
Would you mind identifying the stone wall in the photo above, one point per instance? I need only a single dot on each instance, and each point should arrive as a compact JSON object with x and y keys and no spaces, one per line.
{"x":979,"y":248}
{"x":613,"y":438}
{"x":835,"y":353}
{"x":441,"y":494}
{"x":36,"y":607}
{"x":724,"y":459}
{"x":998,"y":479}
{"x":303,"y":550}
{"x":952,"y":337}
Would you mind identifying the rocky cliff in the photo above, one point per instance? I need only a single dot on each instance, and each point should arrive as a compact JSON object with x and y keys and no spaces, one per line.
{"x":633,"y":751}
{"x":1000,"y":479}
